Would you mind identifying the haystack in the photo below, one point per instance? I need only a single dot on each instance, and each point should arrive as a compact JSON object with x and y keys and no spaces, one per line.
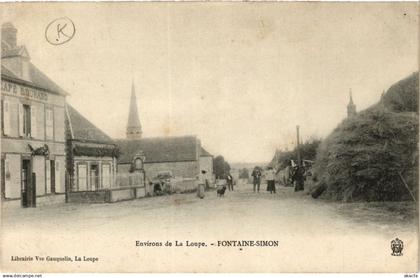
{"x":373,"y":156}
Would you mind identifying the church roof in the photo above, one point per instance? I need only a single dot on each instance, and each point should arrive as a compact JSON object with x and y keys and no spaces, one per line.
{"x":82,"y":129}
{"x":133,"y":116}
{"x":159,"y":149}
{"x":203,"y":152}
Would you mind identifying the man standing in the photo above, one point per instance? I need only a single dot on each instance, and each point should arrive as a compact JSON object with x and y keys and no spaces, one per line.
{"x":299,"y":178}
{"x":256,"y":174}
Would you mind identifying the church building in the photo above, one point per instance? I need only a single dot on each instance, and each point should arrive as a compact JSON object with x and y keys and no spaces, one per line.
{"x":183,"y":156}
{"x":351,"y":107}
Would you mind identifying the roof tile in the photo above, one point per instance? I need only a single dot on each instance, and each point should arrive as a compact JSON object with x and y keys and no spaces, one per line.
{"x":159,"y":149}
{"x":83,"y":129}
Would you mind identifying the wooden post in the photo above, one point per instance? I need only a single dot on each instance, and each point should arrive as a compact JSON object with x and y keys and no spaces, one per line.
{"x":406,"y":186}
{"x":299,"y":160}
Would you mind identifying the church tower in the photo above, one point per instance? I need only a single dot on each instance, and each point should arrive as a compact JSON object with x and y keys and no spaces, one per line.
{"x":351,"y":108}
{"x":133,"y":125}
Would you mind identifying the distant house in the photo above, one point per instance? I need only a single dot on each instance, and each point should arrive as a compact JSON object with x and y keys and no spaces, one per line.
{"x":206,"y":163}
{"x":180,"y":155}
{"x":91,"y":154}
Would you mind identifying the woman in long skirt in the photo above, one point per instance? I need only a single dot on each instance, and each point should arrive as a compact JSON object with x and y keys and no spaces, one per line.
{"x":269,"y":176}
{"x":201,"y":184}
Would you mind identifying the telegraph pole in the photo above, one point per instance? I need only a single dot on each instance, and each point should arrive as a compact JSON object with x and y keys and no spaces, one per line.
{"x":299,"y":161}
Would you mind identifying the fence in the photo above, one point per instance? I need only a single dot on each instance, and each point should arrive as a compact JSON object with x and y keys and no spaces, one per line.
{"x":124,"y":186}
{"x":122,"y":180}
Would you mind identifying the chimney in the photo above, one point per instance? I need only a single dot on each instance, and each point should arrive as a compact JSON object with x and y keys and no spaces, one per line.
{"x":15,"y":58}
{"x":8,"y":34}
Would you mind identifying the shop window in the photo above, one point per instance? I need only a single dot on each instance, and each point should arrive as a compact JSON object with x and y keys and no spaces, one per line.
{"x":49,"y":123}
{"x":82,"y":177}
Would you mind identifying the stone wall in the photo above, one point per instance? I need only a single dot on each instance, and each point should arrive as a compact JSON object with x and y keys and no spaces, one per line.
{"x":188,"y":169}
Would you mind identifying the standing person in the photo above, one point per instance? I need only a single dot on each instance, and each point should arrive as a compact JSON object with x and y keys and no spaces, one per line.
{"x":201,"y":184}
{"x":269,"y":176}
{"x":299,"y":178}
{"x":229,"y":179}
{"x":256,"y":174}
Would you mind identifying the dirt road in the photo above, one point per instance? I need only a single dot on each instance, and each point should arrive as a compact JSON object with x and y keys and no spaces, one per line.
{"x":312,"y":235}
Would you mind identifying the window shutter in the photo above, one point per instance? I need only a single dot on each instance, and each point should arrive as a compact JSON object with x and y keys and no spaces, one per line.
{"x":6,"y":117}
{"x":58,"y":177}
{"x":34,"y":130}
{"x":21,"y":114}
{"x":49,"y":123}
{"x":48,"y":175}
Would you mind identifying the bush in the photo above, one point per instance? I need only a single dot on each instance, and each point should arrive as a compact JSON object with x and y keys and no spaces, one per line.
{"x":307,"y":151}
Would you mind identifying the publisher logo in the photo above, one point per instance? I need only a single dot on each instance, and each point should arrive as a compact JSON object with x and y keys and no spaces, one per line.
{"x":397,"y":245}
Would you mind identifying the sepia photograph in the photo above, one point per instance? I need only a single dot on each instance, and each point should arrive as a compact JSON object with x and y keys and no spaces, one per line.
{"x":209,"y":137}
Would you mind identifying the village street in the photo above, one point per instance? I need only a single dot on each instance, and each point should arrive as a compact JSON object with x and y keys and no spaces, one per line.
{"x":304,"y":228}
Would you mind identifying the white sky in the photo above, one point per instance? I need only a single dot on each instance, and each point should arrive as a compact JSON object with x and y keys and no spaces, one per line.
{"x":240,"y":76}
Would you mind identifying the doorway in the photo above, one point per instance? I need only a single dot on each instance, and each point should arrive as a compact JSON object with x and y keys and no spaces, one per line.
{"x":52,"y":170}
{"x":28,"y":188}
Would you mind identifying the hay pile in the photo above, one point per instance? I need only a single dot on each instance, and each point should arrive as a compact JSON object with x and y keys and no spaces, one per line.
{"x":373,"y":156}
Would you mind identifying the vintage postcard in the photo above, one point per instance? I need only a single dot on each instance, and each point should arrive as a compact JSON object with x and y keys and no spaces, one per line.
{"x":213,"y":137}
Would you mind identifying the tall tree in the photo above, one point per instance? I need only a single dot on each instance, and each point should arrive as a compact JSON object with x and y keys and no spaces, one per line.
{"x":221,"y":167}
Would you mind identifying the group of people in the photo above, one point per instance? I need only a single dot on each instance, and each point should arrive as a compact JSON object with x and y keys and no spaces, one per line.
{"x":269,"y":176}
{"x":298,"y":177}
{"x":257,"y":174}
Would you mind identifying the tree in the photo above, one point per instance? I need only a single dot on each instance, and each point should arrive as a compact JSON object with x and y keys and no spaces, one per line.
{"x":308,"y":151}
{"x":244,"y":173}
{"x":220,"y":166}
{"x":226,"y":168}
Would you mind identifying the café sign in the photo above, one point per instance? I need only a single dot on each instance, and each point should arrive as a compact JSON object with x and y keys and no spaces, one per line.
{"x":26,"y":92}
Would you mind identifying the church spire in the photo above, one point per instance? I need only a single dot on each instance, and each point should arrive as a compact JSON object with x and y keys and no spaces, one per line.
{"x":133,"y":125}
{"x":351,"y":107}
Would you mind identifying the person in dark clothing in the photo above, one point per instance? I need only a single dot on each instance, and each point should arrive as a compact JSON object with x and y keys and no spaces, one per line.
{"x":229,"y":180}
{"x":299,"y":178}
{"x":256,"y":174}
